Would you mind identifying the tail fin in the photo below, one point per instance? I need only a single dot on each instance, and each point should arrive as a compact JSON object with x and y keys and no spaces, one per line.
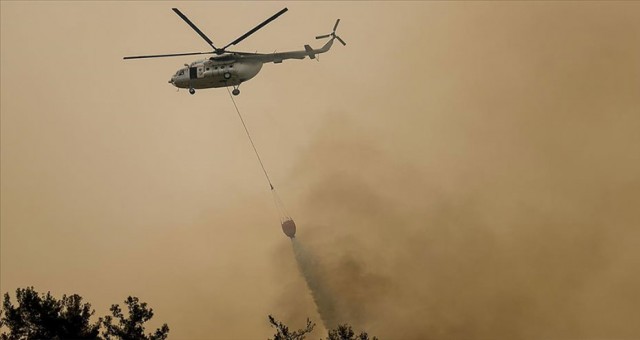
{"x":310,"y":51}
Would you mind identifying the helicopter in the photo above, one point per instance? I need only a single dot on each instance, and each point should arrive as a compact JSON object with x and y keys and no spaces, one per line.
{"x":232,"y":68}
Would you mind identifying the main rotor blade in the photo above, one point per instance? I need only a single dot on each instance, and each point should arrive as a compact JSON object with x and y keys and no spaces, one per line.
{"x":342,"y":41}
{"x":273,"y":17}
{"x":195,"y":28}
{"x":323,"y":36}
{"x":242,"y":53}
{"x":336,"y":25}
{"x":165,"y":55}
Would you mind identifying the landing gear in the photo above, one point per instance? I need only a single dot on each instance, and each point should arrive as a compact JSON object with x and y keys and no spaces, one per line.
{"x":192,"y":91}
{"x":236,"y":90}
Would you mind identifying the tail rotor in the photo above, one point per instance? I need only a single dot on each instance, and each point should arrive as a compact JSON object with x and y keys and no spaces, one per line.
{"x":333,"y":34}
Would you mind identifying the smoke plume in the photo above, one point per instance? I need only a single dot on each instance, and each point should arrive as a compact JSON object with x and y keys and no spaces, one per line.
{"x":501,"y":204}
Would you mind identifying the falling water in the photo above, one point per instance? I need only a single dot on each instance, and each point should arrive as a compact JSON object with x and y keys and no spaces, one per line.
{"x":321,"y":296}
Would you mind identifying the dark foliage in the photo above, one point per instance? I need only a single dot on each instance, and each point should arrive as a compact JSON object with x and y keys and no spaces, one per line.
{"x":132,"y":327}
{"x":41,"y":316}
{"x":344,"y":332}
{"x":283,"y":333}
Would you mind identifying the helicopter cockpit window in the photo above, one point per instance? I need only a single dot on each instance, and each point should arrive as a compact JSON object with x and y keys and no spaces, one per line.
{"x":181,"y":72}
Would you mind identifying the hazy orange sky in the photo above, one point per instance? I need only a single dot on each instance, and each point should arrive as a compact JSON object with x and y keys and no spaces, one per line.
{"x":459,"y":170}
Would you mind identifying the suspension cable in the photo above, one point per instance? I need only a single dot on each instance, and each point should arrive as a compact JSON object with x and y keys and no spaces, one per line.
{"x":251,"y":140}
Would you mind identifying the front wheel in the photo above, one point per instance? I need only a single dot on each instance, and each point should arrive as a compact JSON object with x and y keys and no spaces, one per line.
{"x":235,"y":92}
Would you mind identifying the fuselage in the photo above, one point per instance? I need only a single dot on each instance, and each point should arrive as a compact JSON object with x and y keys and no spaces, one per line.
{"x":229,"y":68}
{"x":222,"y":71}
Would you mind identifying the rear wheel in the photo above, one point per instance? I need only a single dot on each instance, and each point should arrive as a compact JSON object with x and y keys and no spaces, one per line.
{"x":235,"y":92}
{"x":192,"y":91}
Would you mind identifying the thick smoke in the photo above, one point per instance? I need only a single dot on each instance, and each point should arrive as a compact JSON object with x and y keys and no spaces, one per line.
{"x":425,"y":262}
{"x":506,"y":207}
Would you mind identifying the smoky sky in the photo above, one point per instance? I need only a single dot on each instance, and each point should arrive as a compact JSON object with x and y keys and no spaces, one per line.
{"x":457,"y":171}
{"x":502,"y":207}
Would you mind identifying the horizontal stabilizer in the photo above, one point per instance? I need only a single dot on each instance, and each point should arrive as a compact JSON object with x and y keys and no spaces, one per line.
{"x":310,"y":51}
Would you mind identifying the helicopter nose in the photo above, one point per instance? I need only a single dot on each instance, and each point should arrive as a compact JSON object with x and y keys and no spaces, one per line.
{"x":171,"y":80}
